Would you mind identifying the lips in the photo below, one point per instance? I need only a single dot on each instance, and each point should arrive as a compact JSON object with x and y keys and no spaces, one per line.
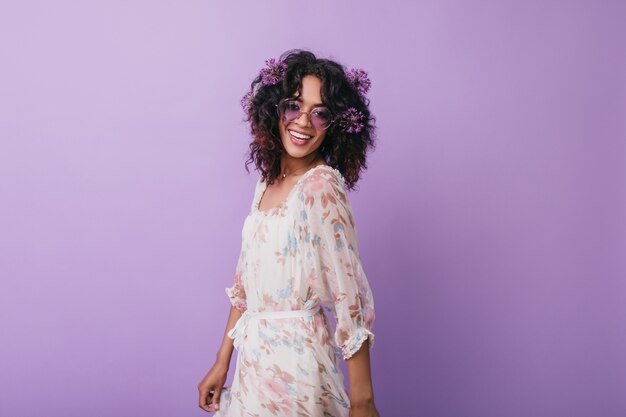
{"x":299,"y":135}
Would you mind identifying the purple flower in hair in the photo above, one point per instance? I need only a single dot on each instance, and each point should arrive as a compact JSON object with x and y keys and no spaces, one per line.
{"x":273,"y":73}
{"x":351,"y":120}
{"x":359,"y":80}
{"x":246,"y":102}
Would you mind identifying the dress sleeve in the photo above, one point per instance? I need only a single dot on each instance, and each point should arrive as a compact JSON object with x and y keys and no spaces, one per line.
{"x":237,"y":293}
{"x":339,"y":280}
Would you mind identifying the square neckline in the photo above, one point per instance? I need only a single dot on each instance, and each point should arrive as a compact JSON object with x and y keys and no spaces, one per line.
{"x":283,"y":203}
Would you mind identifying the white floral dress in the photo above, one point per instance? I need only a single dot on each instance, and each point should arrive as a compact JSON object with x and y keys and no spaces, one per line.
{"x":296,"y":258}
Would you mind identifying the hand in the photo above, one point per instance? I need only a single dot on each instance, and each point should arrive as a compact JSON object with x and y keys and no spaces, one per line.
{"x":363,"y":409}
{"x":210,"y":387}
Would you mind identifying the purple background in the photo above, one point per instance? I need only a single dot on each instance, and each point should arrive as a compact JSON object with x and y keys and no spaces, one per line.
{"x":491,"y":219}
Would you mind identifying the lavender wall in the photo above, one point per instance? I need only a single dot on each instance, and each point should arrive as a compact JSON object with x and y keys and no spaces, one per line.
{"x":491,"y":219}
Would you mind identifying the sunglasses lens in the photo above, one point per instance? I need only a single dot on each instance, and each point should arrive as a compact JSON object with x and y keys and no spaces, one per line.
{"x":320,"y":118}
{"x":290,"y":110}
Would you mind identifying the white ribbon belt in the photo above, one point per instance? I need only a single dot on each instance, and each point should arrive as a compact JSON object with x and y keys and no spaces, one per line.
{"x":238,"y":332}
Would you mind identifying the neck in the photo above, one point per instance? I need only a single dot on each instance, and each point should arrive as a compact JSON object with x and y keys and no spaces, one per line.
{"x":298,"y":166}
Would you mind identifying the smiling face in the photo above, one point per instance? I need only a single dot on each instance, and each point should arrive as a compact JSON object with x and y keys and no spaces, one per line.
{"x":299,"y":137}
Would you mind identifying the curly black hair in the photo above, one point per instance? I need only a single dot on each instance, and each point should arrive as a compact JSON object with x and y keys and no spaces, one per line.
{"x":343,"y":151}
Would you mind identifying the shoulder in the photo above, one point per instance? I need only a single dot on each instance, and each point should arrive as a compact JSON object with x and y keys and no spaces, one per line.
{"x":324,"y":202}
{"x":324,"y":180}
{"x":324,"y":188}
{"x":323,"y":177}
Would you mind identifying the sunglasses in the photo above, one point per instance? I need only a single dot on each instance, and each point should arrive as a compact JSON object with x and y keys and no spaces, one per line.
{"x":290,"y":109}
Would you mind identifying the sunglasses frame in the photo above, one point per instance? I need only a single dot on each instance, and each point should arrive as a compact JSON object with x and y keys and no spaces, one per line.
{"x":308,"y":113}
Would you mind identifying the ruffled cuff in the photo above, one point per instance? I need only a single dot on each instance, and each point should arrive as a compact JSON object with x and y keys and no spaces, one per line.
{"x":354,"y":342}
{"x":237,"y":298}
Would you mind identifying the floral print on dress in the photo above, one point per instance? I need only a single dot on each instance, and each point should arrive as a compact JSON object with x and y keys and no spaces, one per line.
{"x":300,"y":255}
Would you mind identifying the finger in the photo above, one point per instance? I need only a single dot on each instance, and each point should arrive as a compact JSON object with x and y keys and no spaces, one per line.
{"x":215,"y":401}
{"x":205,"y":397}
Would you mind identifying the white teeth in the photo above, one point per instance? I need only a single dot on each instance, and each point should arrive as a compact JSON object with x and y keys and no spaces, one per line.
{"x":299,"y":135}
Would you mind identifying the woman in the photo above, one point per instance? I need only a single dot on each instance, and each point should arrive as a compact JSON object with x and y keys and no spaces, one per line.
{"x":312,"y":128}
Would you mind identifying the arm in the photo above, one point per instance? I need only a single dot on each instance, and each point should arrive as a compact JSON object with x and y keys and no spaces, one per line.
{"x":341,"y":282}
{"x":360,"y":380}
{"x":215,"y":378}
{"x":225,"y":351}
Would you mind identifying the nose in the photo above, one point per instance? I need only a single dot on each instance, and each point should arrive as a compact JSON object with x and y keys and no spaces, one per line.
{"x":299,"y":121}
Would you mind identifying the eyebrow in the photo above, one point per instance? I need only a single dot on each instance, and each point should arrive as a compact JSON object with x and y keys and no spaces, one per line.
{"x":314,"y":105}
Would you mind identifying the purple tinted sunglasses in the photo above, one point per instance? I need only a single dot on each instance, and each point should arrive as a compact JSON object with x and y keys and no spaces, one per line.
{"x":289,"y":109}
